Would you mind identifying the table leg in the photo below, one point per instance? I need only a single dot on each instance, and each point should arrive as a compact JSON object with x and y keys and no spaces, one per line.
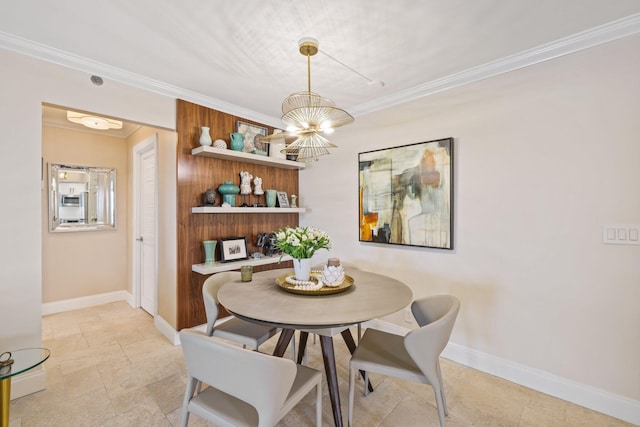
{"x":351,"y":345}
{"x":283,"y":342}
{"x":5,"y":401}
{"x":302,"y":346}
{"x":332,"y":378}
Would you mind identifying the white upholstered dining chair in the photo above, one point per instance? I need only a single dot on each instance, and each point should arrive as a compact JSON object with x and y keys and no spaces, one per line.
{"x":246,"y":388}
{"x":414,"y":357}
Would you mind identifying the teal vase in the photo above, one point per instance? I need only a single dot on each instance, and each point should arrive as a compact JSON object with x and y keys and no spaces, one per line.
{"x":271,"y":198}
{"x":237,"y":141}
{"x":209,"y":251}
{"x":229,"y":191}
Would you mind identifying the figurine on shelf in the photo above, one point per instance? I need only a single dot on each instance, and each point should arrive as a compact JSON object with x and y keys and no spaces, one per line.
{"x":245,"y":182}
{"x":293,"y":201}
{"x":245,"y":186}
{"x":267,"y":241}
{"x":257,"y":191}
{"x":210,"y":197}
{"x":257,"y":186}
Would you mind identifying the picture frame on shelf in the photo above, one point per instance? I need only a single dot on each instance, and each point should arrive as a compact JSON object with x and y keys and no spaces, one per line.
{"x":249,"y":132}
{"x":233,"y":249}
{"x":283,"y":199}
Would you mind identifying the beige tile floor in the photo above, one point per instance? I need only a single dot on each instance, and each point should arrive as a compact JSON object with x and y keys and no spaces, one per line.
{"x":110,"y":367}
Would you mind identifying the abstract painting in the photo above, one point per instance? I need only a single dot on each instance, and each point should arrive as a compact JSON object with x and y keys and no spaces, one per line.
{"x":406,"y":195}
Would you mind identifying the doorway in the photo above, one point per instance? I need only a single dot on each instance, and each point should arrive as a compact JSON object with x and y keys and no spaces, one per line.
{"x":145,"y":203}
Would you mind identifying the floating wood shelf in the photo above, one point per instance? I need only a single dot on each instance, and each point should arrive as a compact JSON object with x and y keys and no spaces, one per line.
{"x":219,"y":267}
{"x":221,"y":210}
{"x":239,"y":156}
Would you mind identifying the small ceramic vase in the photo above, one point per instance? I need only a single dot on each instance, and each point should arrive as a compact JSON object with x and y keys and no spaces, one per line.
{"x":209,"y":251}
{"x":229,"y":191}
{"x":271,"y":198}
{"x":237,"y":141}
{"x":205,"y":137}
{"x":302,"y":268}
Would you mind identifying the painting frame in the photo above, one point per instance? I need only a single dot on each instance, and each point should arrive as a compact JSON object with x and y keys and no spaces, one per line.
{"x":249,"y":131}
{"x":233,"y":249}
{"x":406,"y":195}
{"x":283,"y":199}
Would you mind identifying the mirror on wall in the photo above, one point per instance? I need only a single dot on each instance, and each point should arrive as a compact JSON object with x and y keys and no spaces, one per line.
{"x":81,"y":198}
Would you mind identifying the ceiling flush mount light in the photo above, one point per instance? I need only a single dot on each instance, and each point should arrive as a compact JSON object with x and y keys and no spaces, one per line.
{"x":309,"y":116}
{"x":93,"y":122}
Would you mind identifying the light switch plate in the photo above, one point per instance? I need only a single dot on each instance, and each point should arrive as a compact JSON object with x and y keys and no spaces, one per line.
{"x":620,"y":234}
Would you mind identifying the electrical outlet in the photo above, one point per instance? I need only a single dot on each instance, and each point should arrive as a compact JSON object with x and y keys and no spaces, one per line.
{"x":408,"y":317}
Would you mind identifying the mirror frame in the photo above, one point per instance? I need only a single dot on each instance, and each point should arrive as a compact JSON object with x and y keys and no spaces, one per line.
{"x":80,"y":199}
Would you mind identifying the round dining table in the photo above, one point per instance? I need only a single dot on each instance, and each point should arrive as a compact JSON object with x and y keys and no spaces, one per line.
{"x":263,"y":301}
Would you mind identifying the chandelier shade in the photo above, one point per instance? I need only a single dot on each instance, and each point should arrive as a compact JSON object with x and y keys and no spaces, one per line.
{"x":307,"y":115}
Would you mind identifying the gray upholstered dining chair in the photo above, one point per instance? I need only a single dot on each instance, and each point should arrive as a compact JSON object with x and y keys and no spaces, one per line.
{"x":414,"y":357}
{"x":237,"y":330}
{"x":246,"y":388}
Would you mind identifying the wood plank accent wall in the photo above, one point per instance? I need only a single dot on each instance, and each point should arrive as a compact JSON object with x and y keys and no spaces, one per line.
{"x":195,"y":175}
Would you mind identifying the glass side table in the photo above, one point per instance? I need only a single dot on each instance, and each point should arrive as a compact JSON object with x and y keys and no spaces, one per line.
{"x":23,"y":360}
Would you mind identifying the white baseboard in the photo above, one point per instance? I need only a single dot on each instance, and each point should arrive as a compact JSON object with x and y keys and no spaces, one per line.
{"x":27,"y":383}
{"x":584,"y":395}
{"x":84,"y":302}
{"x":166,"y":329}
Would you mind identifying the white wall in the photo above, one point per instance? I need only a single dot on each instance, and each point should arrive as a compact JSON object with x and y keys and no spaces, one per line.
{"x":544,"y":157}
{"x":26,"y":83}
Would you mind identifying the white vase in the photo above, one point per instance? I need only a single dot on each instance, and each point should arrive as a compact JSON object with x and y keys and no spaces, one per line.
{"x":302,"y":268}
{"x":205,"y":137}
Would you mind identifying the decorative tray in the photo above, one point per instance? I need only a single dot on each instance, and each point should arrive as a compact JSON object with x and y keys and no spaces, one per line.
{"x":324,"y":290}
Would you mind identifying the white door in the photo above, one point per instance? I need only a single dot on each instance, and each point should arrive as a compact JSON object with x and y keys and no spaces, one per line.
{"x":145,"y":212}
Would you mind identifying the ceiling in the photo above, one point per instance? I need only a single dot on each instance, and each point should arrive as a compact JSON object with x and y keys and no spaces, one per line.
{"x":243,"y":55}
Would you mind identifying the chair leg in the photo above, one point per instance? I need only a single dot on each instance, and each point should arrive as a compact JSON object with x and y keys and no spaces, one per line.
{"x":352,"y":384}
{"x":439,"y":403}
{"x":366,"y":383}
{"x":444,"y":399}
{"x":319,"y":405}
{"x":293,"y":347}
{"x":188,"y":394}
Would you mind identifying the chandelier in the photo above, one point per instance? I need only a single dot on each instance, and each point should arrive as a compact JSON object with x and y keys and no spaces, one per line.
{"x":309,"y":116}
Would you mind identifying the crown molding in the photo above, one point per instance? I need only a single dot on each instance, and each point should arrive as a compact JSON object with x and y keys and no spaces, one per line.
{"x":79,"y":63}
{"x":611,"y":31}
